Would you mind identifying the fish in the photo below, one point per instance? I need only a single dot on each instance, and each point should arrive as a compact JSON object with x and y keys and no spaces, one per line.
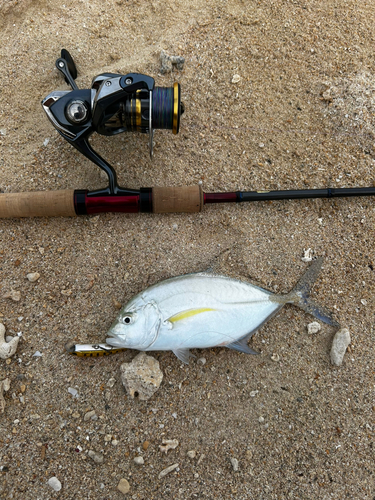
{"x":204,"y":310}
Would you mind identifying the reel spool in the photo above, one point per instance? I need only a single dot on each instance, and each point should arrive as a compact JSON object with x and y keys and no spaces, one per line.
{"x":114,"y":104}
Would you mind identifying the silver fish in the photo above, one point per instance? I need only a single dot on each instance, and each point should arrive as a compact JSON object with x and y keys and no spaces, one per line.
{"x":205,"y":310}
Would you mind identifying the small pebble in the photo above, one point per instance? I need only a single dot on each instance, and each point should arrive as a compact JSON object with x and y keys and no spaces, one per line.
{"x":89,"y":415}
{"x":76,"y":414}
{"x":236,"y":78}
{"x":72,"y":391}
{"x":261,"y":420}
{"x":313,"y":327}
{"x":139,"y":460}
{"x":37,"y":354}
{"x":123,"y":486}
{"x":202,"y":361}
{"x":166,"y":471}
{"x":114,"y":442}
{"x":340,"y":343}
{"x":253,"y":393}
{"x":191,"y":454}
{"x":111,"y":382}
{"x":97,"y":457}
{"x":117,"y":304}
{"x":33,"y":277}
{"x":145,"y":445}
{"x":4,"y":387}
{"x":167,"y":62}
{"x":13,"y":294}
{"x":234,"y":463}
{"x":275,"y":357}
{"x":54,"y":483}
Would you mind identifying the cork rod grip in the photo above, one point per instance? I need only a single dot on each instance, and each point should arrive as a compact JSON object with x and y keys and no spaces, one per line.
{"x":177,"y":199}
{"x":37,"y":204}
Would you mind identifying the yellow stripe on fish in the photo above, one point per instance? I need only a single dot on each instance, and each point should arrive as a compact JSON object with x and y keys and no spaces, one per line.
{"x":189,"y":313}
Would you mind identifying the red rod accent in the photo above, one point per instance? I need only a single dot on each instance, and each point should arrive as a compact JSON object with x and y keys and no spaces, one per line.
{"x":219,"y":197}
{"x":101,"y":204}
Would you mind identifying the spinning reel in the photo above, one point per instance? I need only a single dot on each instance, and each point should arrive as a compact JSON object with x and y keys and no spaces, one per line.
{"x":114,"y":104}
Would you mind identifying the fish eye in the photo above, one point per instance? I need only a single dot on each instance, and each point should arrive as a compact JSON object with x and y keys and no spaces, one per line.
{"x":127,"y":319}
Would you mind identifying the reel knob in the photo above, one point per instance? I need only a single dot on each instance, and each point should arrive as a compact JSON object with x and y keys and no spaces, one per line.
{"x":76,"y":112}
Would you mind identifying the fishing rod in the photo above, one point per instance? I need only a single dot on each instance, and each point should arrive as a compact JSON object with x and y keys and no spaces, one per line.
{"x":114,"y":104}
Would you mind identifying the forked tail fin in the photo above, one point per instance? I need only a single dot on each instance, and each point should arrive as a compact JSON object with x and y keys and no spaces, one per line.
{"x":300,"y":295}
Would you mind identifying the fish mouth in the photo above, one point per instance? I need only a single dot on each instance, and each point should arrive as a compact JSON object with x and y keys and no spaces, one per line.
{"x":115,"y":341}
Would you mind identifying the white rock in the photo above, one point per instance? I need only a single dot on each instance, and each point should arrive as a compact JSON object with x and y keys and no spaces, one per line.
{"x":308,"y":255}
{"x":97,"y":457}
{"x":73,"y":392}
{"x":33,"y":277}
{"x":7,"y":349}
{"x":191,"y":454}
{"x":236,"y":78}
{"x":340,"y":343}
{"x":142,"y":377}
{"x":313,"y":327}
{"x":139,"y":460}
{"x":54,"y":483}
{"x":234,"y":463}
{"x":168,"y":444}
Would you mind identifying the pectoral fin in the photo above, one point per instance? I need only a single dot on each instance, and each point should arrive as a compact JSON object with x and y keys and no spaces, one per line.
{"x":183,"y":355}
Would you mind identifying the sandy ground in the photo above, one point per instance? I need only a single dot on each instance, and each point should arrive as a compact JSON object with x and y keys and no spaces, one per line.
{"x":302,"y":115}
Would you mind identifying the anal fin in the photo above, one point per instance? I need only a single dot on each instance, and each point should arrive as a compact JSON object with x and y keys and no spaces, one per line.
{"x":241,"y":346}
{"x":183,"y":355}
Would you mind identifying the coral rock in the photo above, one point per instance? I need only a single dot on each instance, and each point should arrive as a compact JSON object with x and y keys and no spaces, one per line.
{"x":7,"y":349}
{"x":142,"y":377}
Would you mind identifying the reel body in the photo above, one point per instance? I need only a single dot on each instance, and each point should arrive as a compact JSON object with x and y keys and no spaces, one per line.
{"x":114,"y":104}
